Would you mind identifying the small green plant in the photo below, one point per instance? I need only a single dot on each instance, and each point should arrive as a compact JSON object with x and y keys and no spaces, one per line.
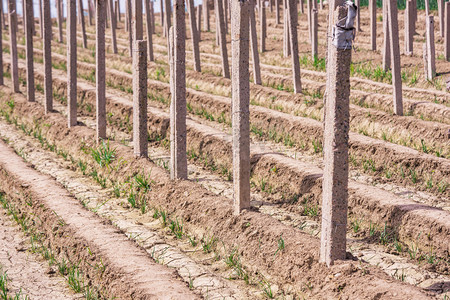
{"x":372,"y":229}
{"x":208,"y":243}
{"x":164,"y":217}
{"x":266,"y":289}
{"x":104,"y":155}
{"x":142,"y":182}
{"x":132,"y":199}
{"x":176,"y":228}
{"x":356,"y":224}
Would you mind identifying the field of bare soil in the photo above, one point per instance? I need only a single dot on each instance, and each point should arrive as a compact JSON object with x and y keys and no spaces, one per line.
{"x":81,"y":219}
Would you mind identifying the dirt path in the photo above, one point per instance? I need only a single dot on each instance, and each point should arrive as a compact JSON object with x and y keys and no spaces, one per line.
{"x":27,"y":272}
{"x":132,"y":273}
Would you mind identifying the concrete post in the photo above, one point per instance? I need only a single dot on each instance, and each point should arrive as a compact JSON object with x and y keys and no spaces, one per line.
{"x":358,"y":16}
{"x":127,"y":18}
{"x":286,"y":42}
{"x":117,"y":12}
{"x":315,"y":26}
{"x":130,"y":31}
{"x":161,"y":13}
{"x":373,"y":24}
{"x":113,"y":26}
{"x":140,"y":135}
{"x":194,"y":35}
{"x":262,"y":22}
{"x":13,"y":44}
{"x":395,"y":57}
{"x":427,"y":7}
{"x":225,"y":15}
{"x":216,"y":13}
{"x":199,"y":22}
{"x":71,"y":35}
{"x":47,"y":57}
{"x":386,"y":53}
{"x":223,"y":41}
{"x":335,"y":177}
{"x":321,"y":5}
{"x":240,"y":104}
{"x":293,"y":20}
{"x":137,"y":23}
{"x":100,"y":70}
{"x":409,"y":28}
{"x":431,"y":54}
{"x":59,"y":19}
{"x":152,"y":14}
{"x":41,"y":18}
{"x":89,"y":3}
{"x":254,"y":43}
{"x":29,"y":44}
{"x":308,"y":7}
{"x":178,"y":161}
{"x":167,"y":17}
{"x":23,"y":17}
{"x":441,"y":16}
{"x":277,"y":11}
{"x":83,"y":26}
{"x":447,"y":31}
{"x":206,"y":15}
{"x":149,"y":17}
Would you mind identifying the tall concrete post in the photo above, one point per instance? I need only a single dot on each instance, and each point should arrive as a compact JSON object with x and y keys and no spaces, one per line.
{"x":140,"y":135}
{"x":240,"y":104}
{"x":441,"y":16}
{"x":309,"y":8}
{"x":167,"y":18}
{"x":431,"y":53}
{"x":206,"y":23}
{"x":427,"y":7}
{"x":395,"y":57}
{"x":315,"y":28}
{"x":29,"y":44}
{"x":286,"y":41}
{"x":161,"y":12}
{"x":336,"y":131}
{"x":194,"y":35}
{"x":373,"y":24}
{"x":83,"y":26}
{"x":358,"y":16}
{"x":59,"y":19}
{"x":127,"y":18}
{"x":117,"y":11}
{"x":41,"y":19}
{"x":447,"y":31}
{"x":254,"y":43}
{"x":293,"y":20}
{"x":409,"y":28}
{"x":223,"y":41}
{"x":386,"y":53}
{"x":262,"y":22}
{"x":90,"y":13}
{"x":130,"y":30}
{"x":113,"y":26}
{"x":71,"y":34}
{"x":137,"y":23}
{"x":277,"y":11}
{"x":13,"y":44}
{"x":199,"y":22}
{"x":225,"y":15}
{"x":216,"y":14}
{"x":100,"y":70}
{"x":149,"y":17}
{"x":152,"y":14}
{"x":48,"y":81}
{"x":178,"y":159}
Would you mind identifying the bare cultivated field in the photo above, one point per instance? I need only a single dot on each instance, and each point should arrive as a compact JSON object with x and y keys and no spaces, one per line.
{"x":88,"y":219}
